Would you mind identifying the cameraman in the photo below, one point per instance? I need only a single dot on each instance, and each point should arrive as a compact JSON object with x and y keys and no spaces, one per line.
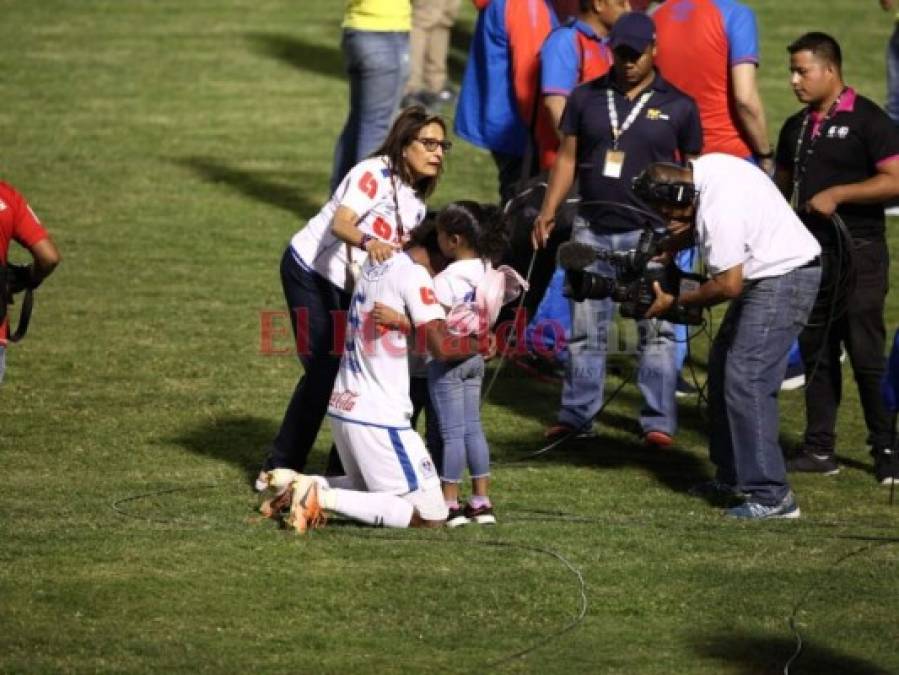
{"x":18,"y":222}
{"x":613,"y":127}
{"x":762,"y":258}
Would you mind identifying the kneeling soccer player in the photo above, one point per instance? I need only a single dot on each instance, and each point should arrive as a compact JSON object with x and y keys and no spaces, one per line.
{"x":390,"y":478}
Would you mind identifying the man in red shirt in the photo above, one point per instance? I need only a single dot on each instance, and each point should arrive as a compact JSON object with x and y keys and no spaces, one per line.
{"x":710,"y":50}
{"x":18,"y":223}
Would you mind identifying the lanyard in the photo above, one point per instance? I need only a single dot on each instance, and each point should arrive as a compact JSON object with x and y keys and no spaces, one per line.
{"x":613,"y":115}
{"x":799,"y":162}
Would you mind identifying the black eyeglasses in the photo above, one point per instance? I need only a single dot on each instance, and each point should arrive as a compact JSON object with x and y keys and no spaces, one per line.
{"x":431,"y":144}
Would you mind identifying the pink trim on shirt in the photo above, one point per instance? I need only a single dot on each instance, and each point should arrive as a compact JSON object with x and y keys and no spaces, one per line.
{"x":887,"y":160}
{"x":847,"y":101}
{"x":846,"y":104}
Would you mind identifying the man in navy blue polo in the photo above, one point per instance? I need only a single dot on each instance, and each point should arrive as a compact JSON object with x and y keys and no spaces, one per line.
{"x":613,"y":127}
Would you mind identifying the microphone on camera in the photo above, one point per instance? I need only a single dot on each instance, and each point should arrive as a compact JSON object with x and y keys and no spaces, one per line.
{"x":576,"y":256}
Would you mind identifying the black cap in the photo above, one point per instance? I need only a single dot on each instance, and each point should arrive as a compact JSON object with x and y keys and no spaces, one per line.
{"x":634,"y":30}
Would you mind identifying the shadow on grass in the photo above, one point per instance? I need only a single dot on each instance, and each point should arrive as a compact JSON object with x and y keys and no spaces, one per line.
{"x":325,"y":60}
{"x":620,"y":444}
{"x":240,"y":440}
{"x":749,"y":655}
{"x":276,"y":188}
{"x":867,"y":467}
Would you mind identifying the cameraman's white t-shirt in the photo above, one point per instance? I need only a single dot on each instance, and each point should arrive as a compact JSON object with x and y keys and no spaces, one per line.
{"x":742,"y":218}
{"x":368,"y":191}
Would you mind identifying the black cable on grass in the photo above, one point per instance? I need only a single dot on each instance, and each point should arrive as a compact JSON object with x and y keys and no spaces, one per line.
{"x":116,"y":505}
{"x":583,"y":602}
{"x":874,"y":541}
{"x":570,"y":434}
{"x":811,"y":588}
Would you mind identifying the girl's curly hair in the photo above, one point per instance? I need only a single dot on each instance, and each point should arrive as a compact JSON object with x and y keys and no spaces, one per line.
{"x":482,"y":225}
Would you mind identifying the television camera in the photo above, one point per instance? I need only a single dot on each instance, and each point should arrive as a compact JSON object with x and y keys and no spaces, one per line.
{"x":632,"y":286}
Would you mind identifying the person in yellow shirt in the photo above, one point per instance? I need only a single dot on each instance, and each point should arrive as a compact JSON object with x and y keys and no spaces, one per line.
{"x":375,"y":47}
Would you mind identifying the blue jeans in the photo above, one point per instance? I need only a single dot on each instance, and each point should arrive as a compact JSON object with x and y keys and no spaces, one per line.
{"x":456,"y":394}
{"x":892,"y":106}
{"x":322,"y":304}
{"x":746,"y":367}
{"x":377,"y":64}
{"x":582,"y":389}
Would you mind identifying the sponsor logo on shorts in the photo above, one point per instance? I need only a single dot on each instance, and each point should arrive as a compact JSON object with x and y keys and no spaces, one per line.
{"x":427,"y":468}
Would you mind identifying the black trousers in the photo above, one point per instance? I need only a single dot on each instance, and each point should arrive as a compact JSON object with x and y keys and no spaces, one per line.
{"x":861,"y":330}
{"x":320,"y":305}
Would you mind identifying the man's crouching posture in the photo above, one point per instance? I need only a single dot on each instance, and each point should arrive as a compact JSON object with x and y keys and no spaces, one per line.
{"x":390,"y":478}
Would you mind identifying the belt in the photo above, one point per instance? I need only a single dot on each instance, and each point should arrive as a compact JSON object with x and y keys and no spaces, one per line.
{"x":814,"y":262}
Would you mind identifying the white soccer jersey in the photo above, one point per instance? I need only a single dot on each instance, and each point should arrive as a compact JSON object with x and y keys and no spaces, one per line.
{"x":372,"y":384}
{"x":372,"y":192}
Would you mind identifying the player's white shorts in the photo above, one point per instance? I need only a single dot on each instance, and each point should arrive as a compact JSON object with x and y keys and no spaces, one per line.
{"x":390,"y":459}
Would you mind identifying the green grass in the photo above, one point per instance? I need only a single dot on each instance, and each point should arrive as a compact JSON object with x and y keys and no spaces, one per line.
{"x":173,"y":148}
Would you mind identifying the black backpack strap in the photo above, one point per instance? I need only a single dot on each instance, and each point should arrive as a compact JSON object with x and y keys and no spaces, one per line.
{"x":24,"y":317}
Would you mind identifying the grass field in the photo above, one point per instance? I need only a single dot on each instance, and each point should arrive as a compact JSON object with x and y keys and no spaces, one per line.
{"x":173,"y":148}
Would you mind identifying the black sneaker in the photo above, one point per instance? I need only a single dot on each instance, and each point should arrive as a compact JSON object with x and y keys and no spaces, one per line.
{"x":423,"y":98}
{"x":886,"y":466}
{"x":684,"y":388}
{"x":807,"y":461}
{"x":446,"y":95}
{"x":794,"y":378}
{"x":457,"y":517}
{"x":482,"y":515}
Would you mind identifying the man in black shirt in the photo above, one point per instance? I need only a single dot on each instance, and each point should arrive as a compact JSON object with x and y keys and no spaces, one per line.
{"x":840,"y":156}
{"x":614,"y":127}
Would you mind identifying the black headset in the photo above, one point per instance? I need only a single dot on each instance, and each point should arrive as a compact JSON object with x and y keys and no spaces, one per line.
{"x":673,"y":193}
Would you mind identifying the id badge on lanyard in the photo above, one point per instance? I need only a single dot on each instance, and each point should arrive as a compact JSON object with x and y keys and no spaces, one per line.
{"x":613,"y":166}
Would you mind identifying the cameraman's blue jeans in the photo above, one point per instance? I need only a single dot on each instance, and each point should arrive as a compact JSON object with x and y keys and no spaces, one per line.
{"x":746,"y":366}
{"x":377,"y":64}
{"x":653,"y":340}
{"x":455,"y":388}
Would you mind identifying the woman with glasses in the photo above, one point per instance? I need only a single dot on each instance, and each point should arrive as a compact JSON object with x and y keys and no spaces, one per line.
{"x":370,"y":213}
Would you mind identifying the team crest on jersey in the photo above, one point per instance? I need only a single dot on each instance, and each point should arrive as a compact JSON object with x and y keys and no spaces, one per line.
{"x":2,"y":205}
{"x":656,"y":114}
{"x":427,"y":468}
{"x":374,"y":272}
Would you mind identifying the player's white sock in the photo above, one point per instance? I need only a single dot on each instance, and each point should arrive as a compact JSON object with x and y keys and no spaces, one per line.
{"x":373,"y":508}
{"x":343,"y":483}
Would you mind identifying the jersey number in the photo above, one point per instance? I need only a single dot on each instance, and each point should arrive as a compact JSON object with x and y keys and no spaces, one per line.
{"x":368,"y":185}
{"x":382,"y":228}
{"x":427,"y":296}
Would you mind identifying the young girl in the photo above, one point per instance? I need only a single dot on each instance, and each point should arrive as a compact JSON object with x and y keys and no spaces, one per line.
{"x":474,"y":237}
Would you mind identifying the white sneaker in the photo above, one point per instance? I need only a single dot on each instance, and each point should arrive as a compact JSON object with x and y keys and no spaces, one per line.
{"x":261,"y":482}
